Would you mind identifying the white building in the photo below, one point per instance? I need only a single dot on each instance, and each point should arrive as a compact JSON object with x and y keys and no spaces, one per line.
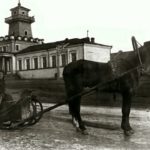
{"x":30,"y":58}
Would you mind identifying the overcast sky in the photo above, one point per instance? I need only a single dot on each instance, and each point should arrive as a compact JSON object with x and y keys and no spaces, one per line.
{"x":111,"y":22}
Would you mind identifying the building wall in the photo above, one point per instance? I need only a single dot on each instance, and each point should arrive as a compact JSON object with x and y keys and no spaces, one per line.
{"x":6,"y":56}
{"x":24,"y":27}
{"x":97,"y":53}
{"x":40,"y":73}
{"x":13,"y":28}
{"x":23,"y":44}
{"x":50,"y":71}
{"x":78,"y":49}
{"x":38,"y":55}
{"x":8,"y":46}
{"x":81,"y":51}
{"x":11,"y":44}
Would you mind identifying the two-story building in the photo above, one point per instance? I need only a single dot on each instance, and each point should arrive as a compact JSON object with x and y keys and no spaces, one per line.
{"x":32,"y":58}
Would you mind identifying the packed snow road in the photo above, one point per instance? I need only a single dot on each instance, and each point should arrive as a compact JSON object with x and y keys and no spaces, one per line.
{"x":55,"y":131}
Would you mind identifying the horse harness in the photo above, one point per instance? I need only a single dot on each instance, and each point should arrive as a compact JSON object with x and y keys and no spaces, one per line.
{"x":118,"y":64}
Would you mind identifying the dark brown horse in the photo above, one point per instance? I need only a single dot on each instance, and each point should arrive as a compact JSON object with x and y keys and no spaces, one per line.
{"x":82,"y":73}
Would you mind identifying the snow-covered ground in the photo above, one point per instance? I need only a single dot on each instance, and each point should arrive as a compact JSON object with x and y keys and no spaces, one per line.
{"x":55,"y":131}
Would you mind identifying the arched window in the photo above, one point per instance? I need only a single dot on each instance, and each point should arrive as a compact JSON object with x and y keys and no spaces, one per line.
{"x":26,"y":33}
{"x":17,"y":47}
{"x":43,"y":62}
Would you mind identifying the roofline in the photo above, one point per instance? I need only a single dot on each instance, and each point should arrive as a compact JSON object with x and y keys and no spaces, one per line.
{"x":31,"y":52}
{"x":120,"y":51}
{"x":20,"y":7}
{"x":20,"y":52}
{"x":81,"y":44}
{"x":110,"y":46}
{"x":52,"y":45}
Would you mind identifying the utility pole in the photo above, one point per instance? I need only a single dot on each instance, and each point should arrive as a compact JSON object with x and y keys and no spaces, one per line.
{"x":59,"y":49}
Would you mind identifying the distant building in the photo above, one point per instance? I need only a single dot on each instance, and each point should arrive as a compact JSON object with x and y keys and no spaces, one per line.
{"x":31,"y":58}
{"x":19,"y":37}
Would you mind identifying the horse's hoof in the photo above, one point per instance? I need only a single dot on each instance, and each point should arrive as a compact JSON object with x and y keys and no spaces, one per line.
{"x":132,"y":131}
{"x":128,"y":133}
{"x":78,"y":129}
{"x":84,"y":132}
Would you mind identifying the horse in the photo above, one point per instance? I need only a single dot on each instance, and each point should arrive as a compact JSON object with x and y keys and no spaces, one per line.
{"x":83,"y":73}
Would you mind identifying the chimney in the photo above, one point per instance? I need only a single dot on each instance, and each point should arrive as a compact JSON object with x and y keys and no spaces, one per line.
{"x":92,"y":40}
{"x":66,"y":39}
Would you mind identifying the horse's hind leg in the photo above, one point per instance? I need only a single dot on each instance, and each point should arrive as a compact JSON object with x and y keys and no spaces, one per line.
{"x":126,"y":106}
{"x":74,"y":109}
{"x":73,"y":87}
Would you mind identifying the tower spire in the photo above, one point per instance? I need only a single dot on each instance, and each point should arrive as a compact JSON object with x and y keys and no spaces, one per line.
{"x":87,"y":33}
{"x":19,"y":4}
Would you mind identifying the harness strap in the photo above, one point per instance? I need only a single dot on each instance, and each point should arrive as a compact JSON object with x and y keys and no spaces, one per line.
{"x":135,"y":47}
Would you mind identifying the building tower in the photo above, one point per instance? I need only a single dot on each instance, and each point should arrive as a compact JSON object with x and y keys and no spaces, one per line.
{"x":19,"y":37}
{"x":20,"y":22}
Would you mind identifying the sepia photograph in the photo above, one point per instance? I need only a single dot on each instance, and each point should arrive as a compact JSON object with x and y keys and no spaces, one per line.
{"x":74,"y":75}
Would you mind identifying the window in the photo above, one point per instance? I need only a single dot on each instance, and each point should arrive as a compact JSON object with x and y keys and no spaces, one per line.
{"x":73,"y":57}
{"x":26,"y":33}
{"x":17,"y":47}
{"x":7,"y":65}
{"x":8,"y":48}
{"x":4,"y":48}
{"x":1,"y":49}
{"x":53,"y":61}
{"x":44,"y":62}
{"x":35,"y":63}
{"x":63,"y":59}
{"x":20,"y":64}
{"x":27,"y":64}
{"x":23,"y":12}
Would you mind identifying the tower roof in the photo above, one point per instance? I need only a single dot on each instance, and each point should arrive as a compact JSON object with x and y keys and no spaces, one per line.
{"x":19,"y":7}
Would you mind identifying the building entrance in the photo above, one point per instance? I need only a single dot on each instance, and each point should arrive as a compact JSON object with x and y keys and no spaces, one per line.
{"x":5,"y":64}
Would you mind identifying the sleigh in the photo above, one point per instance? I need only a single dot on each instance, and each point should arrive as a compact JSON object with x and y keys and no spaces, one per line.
{"x":14,"y":113}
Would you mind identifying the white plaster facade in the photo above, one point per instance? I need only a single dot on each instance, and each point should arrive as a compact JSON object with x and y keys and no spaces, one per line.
{"x":86,"y":51}
{"x":97,"y":53}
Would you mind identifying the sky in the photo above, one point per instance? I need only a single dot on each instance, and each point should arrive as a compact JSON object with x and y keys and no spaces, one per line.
{"x":110,"y":22}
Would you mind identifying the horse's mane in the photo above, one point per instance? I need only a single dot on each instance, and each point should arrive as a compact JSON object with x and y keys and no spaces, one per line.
{"x":123,"y":61}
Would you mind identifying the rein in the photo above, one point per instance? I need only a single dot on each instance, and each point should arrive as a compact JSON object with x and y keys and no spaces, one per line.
{"x":135,"y":44}
{"x":135,"y":47}
{"x":140,"y":67}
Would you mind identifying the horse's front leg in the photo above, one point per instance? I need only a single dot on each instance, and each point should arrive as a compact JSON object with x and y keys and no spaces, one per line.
{"x":126,"y":106}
